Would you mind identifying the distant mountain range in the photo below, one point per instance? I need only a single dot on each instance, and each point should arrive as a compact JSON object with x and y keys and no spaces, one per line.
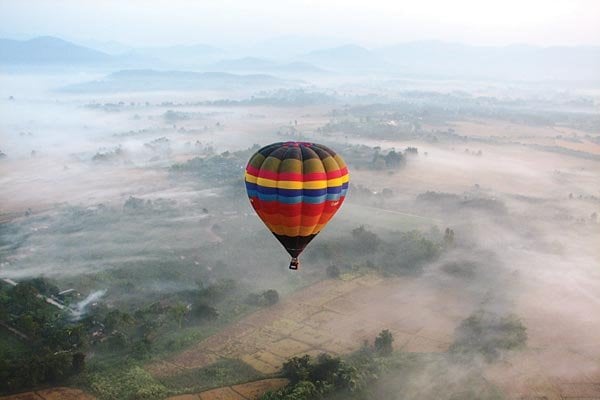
{"x":516,"y":62}
{"x":430,"y":59}
{"x":48,"y":50}
{"x":449,"y":60}
{"x":261,"y":64}
{"x":152,"y":80}
{"x":192,"y":55}
{"x":345,"y":58}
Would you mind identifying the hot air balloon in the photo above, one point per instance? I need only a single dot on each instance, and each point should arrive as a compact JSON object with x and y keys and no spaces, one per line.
{"x":295,"y":188}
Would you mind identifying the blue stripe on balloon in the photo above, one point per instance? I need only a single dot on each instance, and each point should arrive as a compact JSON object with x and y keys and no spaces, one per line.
{"x":294,"y":196}
{"x":288,"y":200}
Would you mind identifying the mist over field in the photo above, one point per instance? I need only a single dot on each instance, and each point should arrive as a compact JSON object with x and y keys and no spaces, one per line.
{"x":464,"y":262}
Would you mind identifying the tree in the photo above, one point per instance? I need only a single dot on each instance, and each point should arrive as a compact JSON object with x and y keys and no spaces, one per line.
{"x":297,"y":369}
{"x":43,"y":286}
{"x":115,"y":320}
{"x":28,"y":325}
{"x":271,"y":297}
{"x":78,"y":362}
{"x":365,"y":241}
{"x":488,"y":334}
{"x":449,"y":237}
{"x":393,"y":159}
{"x":300,"y":391}
{"x":213,"y":293}
{"x":204,"y":311}
{"x":179,"y":311}
{"x":325,"y":368}
{"x":378,"y":162}
{"x":383,"y":343}
{"x":25,"y":298}
{"x":133,"y":204}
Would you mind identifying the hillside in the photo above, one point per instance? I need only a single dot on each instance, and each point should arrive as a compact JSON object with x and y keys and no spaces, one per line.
{"x":48,"y":50}
{"x":151,"y":80}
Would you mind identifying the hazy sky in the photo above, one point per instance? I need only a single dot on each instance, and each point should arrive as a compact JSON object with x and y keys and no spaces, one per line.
{"x":245,"y":22}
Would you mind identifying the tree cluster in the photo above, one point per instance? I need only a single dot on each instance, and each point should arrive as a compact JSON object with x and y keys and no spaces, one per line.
{"x":396,"y":253}
{"x":52,"y":345}
{"x":266,"y":298}
{"x":488,"y":334}
{"x":326,"y":375}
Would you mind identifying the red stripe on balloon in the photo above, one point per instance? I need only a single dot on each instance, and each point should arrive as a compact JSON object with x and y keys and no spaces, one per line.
{"x":292,"y":176}
{"x":295,"y":210}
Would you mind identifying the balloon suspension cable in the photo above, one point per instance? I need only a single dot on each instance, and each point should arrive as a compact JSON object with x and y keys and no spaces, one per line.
{"x":294,"y":263}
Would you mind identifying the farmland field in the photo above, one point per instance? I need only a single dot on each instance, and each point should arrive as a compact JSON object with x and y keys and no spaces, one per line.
{"x":333,"y":316}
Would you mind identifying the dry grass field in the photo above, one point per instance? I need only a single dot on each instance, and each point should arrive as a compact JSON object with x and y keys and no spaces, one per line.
{"x":333,"y":316}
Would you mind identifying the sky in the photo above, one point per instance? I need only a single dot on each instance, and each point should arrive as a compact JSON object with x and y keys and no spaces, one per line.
{"x":370,"y":23}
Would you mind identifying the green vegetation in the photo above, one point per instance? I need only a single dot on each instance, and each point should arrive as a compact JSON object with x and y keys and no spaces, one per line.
{"x":216,"y":168}
{"x":314,"y":379}
{"x":465,"y":202}
{"x":40,"y":344}
{"x":461,"y":269}
{"x":369,"y":208}
{"x":266,"y":298}
{"x":370,"y":375}
{"x":375,"y":158}
{"x":109,"y":155}
{"x":120,"y":383}
{"x":129,"y":381}
{"x":397,"y":253}
{"x":221,"y":373}
{"x":164,"y":326}
{"x":170,"y":274}
{"x":311,"y":379}
{"x":383,"y":343}
{"x":488,"y":334}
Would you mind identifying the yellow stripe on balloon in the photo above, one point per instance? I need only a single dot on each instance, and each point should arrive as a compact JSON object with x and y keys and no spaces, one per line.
{"x":250,"y":178}
{"x":322,"y":184}
{"x":335,"y":182}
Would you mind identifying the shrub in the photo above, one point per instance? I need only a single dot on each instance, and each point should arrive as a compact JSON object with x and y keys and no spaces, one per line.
{"x":271,"y":297}
{"x":488,"y":334}
{"x":383,"y":343}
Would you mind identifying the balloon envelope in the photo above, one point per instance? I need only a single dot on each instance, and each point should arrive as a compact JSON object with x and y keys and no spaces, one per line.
{"x":295,"y":188}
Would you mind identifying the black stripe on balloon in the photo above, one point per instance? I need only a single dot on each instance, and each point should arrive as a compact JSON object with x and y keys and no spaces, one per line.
{"x":294,"y":244}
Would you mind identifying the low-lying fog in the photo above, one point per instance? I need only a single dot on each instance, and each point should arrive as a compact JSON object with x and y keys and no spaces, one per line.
{"x":133,"y":196}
